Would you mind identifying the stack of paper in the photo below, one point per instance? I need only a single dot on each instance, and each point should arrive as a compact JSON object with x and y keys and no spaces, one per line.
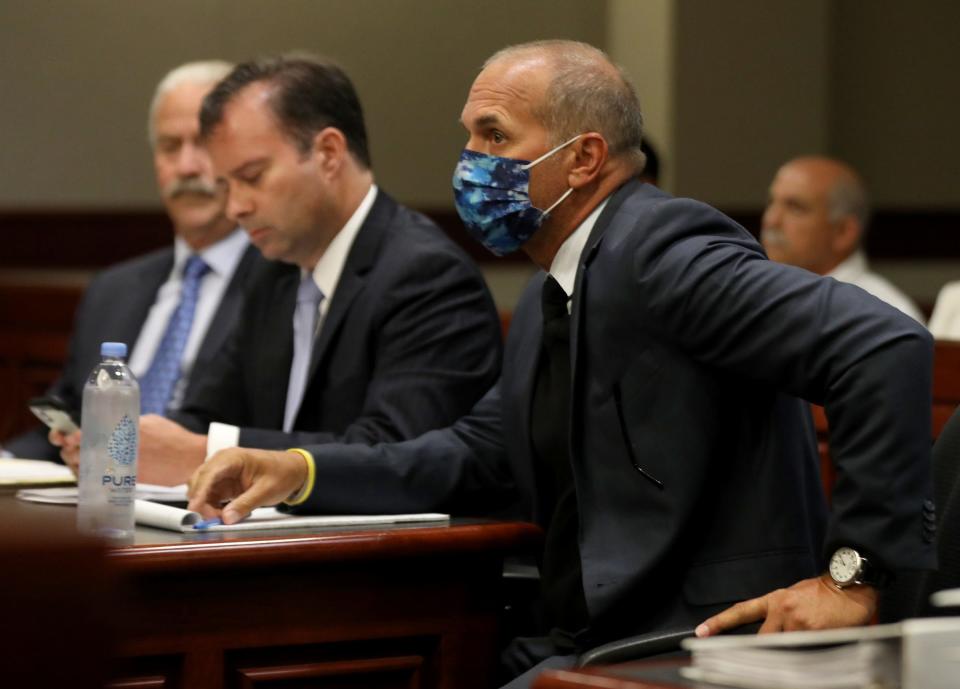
{"x":32,"y":472}
{"x":810,"y":662}
{"x":915,"y":654}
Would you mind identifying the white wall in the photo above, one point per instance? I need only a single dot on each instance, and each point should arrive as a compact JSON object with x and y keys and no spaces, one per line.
{"x":77,"y":76}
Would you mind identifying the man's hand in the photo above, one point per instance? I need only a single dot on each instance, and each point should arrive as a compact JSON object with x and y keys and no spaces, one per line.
{"x":808,"y":604}
{"x":248,"y":479}
{"x":169,"y":453}
{"x":69,"y":444}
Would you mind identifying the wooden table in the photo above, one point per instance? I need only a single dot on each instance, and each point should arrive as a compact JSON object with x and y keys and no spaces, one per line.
{"x":406,"y":606}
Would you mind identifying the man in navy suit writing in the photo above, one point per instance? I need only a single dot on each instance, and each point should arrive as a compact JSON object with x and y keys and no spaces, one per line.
{"x":651,"y":413}
{"x":368,"y":324}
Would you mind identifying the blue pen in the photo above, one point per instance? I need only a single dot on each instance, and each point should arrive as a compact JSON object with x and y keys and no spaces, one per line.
{"x":207,"y":523}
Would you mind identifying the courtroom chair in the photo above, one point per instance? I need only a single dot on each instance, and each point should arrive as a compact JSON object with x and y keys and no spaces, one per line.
{"x":909,"y":596}
{"x":635,"y":647}
{"x":659,"y":643}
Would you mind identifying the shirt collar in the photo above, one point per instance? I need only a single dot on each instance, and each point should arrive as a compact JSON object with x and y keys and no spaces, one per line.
{"x":564,"y":265}
{"x":222,"y":256}
{"x":328,"y":269}
{"x":851,"y":269}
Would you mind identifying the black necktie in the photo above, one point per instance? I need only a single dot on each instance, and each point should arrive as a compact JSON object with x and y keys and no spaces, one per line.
{"x":551,"y":400}
{"x":550,"y":433}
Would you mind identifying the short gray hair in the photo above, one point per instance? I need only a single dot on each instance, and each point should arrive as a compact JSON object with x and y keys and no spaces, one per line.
{"x":587,"y":93}
{"x":200,"y":72}
{"x":848,"y":196}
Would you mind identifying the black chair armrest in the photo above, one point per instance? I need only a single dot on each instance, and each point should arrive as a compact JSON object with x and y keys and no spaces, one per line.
{"x":634,"y":647}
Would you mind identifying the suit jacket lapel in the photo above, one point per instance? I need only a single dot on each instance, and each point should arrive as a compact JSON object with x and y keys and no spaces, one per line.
{"x":580,"y":290}
{"x":517,"y":383}
{"x":360,"y":259}
{"x":275,"y":353}
{"x":140,"y":299}
{"x":228,"y":311}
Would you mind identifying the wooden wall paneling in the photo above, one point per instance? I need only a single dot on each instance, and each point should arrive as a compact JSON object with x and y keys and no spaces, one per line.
{"x":95,"y":238}
{"x":35,"y":325}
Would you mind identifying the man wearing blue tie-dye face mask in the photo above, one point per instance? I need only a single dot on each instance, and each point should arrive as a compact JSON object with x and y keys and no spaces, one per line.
{"x":651,"y":412}
{"x":493,"y":198}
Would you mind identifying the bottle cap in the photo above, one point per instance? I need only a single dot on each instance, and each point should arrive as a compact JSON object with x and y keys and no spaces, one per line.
{"x":114,"y":350}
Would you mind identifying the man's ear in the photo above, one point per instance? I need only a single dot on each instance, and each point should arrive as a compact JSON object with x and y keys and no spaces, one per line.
{"x":591,"y":154}
{"x":330,"y":149}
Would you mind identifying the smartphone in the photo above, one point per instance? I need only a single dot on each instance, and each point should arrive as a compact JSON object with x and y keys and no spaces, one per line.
{"x":54,"y":412}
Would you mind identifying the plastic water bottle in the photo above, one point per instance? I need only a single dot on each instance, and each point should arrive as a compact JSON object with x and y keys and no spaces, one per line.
{"x":108,"y":447}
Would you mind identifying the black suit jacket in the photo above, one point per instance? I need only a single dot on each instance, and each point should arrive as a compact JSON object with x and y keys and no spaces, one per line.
{"x":410,"y":341}
{"x":692,"y":354}
{"x":114,"y":308}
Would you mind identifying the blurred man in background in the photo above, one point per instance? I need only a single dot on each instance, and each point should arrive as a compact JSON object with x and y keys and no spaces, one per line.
{"x":816,"y":218}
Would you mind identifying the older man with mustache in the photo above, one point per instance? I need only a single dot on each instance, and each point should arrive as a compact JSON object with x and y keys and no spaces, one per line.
{"x":174,"y":306}
{"x":816,"y":217}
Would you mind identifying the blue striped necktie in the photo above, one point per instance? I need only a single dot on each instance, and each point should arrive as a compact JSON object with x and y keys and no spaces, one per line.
{"x":157,"y":384}
{"x":309,"y":297}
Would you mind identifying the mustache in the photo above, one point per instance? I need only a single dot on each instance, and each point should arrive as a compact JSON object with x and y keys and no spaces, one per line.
{"x":773,"y":236}
{"x":189,"y":185}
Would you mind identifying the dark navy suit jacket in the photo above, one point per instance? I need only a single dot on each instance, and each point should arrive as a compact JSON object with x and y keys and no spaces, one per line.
{"x":410,"y":342}
{"x":114,"y":308}
{"x":693,"y":451}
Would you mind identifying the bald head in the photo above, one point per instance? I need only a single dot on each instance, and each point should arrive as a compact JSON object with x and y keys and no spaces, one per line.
{"x":816,"y":214}
{"x":582,"y":91}
{"x":845,"y":190}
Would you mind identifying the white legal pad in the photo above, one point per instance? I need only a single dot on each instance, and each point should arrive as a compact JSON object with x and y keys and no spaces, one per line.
{"x":177,"y":519}
{"x":15,"y":472}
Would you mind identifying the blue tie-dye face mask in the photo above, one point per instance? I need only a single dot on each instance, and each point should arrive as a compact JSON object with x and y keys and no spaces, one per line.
{"x":493,"y":199}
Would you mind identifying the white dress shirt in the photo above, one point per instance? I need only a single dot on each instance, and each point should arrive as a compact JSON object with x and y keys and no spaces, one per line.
{"x":945,"y":320}
{"x":327,"y":275}
{"x":223,"y":258}
{"x":564,"y":266}
{"x":856,"y":271}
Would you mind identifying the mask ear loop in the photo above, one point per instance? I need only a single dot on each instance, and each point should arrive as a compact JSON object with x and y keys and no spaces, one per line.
{"x":549,"y":153}
{"x":543,"y":214}
{"x":557,"y":202}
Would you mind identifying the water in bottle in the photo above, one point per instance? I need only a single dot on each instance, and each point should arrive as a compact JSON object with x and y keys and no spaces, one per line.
{"x":108,"y":447}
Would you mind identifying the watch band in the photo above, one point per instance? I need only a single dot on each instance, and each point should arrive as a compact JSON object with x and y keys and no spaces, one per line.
{"x":866,"y":574}
{"x":872,"y":575}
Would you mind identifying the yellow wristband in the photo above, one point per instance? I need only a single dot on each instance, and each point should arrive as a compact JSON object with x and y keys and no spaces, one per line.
{"x":301,"y":495}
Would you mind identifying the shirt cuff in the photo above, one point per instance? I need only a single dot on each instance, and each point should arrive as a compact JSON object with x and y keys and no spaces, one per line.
{"x":301,"y":495}
{"x":221,"y":436}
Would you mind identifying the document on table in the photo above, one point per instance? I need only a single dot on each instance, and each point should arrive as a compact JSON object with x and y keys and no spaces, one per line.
{"x":32,"y":472}
{"x":68,"y":495}
{"x":177,"y":519}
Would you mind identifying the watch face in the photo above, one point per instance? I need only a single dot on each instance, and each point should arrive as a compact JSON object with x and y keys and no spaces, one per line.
{"x":844,"y":566}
